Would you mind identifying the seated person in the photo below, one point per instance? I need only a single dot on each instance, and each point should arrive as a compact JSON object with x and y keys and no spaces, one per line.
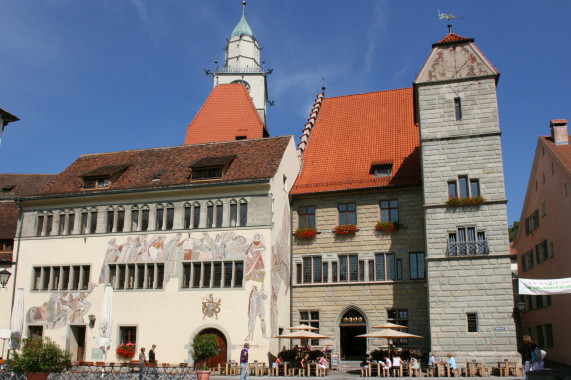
{"x":388,"y":362}
{"x":305,"y":361}
{"x":365,"y":363}
{"x":279,"y":360}
{"x":396,"y":361}
{"x":323,"y":364}
{"x":328,"y":350}
{"x":431,"y":360}
{"x":414,"y":363}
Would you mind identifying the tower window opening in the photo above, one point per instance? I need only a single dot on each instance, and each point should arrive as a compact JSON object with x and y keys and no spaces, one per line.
{"x":458,"y":108}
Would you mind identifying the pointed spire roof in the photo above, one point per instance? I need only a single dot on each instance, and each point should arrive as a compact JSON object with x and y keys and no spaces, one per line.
{"x":228,"y":114}
{"x":451,"y":37}
{"x":243,"y":28}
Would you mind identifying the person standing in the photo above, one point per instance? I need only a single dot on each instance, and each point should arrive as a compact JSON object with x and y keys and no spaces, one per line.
{"x":142,"y":363}
{"x":244,"y":362}
{"x":451,"y":364}
{"x":153,"y":360}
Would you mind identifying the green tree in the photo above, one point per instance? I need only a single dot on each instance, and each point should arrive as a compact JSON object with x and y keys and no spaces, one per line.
{"x":512,"y":230}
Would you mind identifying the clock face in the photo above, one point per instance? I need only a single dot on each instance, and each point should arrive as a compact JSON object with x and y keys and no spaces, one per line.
{"x":455,"y":62}
{"x":243,"y":82}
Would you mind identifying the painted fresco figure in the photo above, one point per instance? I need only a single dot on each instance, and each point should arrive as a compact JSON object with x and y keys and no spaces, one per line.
{"x":255,"y":261}
{"x":256,"y":309}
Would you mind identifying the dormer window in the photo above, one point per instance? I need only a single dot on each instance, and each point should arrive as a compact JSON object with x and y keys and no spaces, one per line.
{"x":206,"y":173}
{"x":7,"y":189}
{"x":157,"y":176}
{"x":96,"y":182}
{"x":381,"y":170}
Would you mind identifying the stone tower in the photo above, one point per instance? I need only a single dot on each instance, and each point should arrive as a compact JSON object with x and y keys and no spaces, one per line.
{"x":242,"y":64}
{"x":467,"y":254}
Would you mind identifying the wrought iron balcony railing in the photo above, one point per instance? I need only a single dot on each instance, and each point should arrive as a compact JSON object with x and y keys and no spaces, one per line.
{"x":467,"y":248}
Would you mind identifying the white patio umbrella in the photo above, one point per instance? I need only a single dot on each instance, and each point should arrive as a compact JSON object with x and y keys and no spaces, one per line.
{"x":106,"y":321}
{"x":4,"y":335}
{"x":17,"y":320}
{"x":389,"y":325}
{"x":302,"y":335}
{"x":302,"y":327}
{"x":389,"y":335}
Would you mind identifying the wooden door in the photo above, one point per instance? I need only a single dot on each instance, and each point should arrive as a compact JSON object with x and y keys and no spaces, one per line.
{"x":222,"y":347}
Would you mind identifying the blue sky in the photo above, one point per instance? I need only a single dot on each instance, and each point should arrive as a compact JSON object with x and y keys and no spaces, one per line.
{"x":110,"y":75}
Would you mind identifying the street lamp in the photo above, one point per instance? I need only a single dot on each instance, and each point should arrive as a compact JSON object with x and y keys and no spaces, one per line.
{"x":521,"y":306}
{"x":91,"y":318}
{"x":4,"y":277}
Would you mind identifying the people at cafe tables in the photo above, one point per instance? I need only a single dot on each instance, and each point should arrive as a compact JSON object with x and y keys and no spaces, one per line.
{"x":431,"y":360}
{"x":305,"y":361}
{"x":279,"y":360}
{"x":328,"y":350}
{"x":366,"y":362}
{"x":396,"y":362}
{"x":414,"y":364}
{"x":452,"y":364}
{"x":322,"y":363}
{"x":388,"y":363}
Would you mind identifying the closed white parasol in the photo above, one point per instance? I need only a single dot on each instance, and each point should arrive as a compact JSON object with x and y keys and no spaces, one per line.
{"x":17,"y":320}
{"x":106,"y":321}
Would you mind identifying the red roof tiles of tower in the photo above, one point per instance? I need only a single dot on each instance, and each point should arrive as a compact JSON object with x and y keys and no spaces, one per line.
{"x":354,"y":132}
{"x":450,"y":37}
{"x":227,"y":113}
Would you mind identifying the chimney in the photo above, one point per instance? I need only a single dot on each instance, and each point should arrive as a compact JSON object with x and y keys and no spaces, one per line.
{"x":559,"y":131}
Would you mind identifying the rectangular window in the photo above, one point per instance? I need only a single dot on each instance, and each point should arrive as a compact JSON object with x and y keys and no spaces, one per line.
{"x":310,"y":318}
{"x":206,"y":173}
{"x":75,"y":277}
{"x":390,"y":266}
{"x":206,"y":274}
{"x":353,"y":268}
{"x":543,"y":209}
{"x":85,"y":271}
{"x":399,"y":317}
{"x":140,"y":280}
{"x":452,"y":189}
{"x":243,"y":214}
{"x":347,"y":213}
{"x":228,"y":269}
{"x":35,"y":331}
{"x":170,"y":218}
{"x":390,"y":211}
{"x":209,"y":216}
{"x":371,"y":270}
{"x":196,"y":221}
{"x":159,"y":218}
{"x":110,"y":221}
{"x":186,"y":271}
{"x":217,"y":275}
{"x":343,"y":268}
{"x":39,"y":225}
{"x":416,"y":265}
{"x":472,"y":321}
{"x":61,"y":225}
{"x":238,"y":274}
{"x":128,"y":334}
{"x":457,"y":109}
{"x":144,"y":220}
{"x":70,"y":223}
{"x":55,"y":278}
{"x":307,"y":270}
{"x":131,"y":275}
{"x":325,"y":272}
{"x":219,"y":213}
{"x":233,"y":214}
{"x":475,"y":187}
{"x":299,"y":277}
{"x":334,"y":272}
{"x":548,"y":335}
{"x":540,"y":337}
{"x":380,"y":266}
{"x":306,"y":216}
{"x":187,"y":211}
{"x":134,"y":220}
{"x":463,"y":187}
{"x":84,"y":222}
{"x":49,"y":224}
{"x":65,"y":273}
{"x":120,"y":220}
{"x":93,"y":222}
{"x":60,"y":277}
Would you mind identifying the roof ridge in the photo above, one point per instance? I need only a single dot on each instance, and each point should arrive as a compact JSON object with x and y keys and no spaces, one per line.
{"x":370,"y":92}
{"x":185,"y":145}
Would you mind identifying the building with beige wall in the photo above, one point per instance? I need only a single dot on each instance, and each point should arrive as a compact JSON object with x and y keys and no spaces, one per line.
{"x":193,"y":239}
{"x":542,"y":242}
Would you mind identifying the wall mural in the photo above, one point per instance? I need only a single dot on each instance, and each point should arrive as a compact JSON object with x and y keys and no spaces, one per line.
{"x":61,"y":309}
{"x":280,"y":269}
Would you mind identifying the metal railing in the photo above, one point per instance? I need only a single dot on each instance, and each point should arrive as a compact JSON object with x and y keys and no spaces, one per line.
{"x":239,"y":70}
{"x":468,"y":248}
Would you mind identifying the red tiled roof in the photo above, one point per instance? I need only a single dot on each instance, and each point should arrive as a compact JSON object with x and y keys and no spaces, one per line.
{"x":254,"y":159}
{"x":228,"y":112}
{"x":19,"y":185}
{"x":356,"y":131}
{"x":450,"y":37}
{"x":561,"y":152}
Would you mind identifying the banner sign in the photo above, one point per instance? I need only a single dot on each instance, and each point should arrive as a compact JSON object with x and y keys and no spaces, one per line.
{"x":538,"y":287}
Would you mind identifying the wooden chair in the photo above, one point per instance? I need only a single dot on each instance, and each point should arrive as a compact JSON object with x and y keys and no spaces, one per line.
{"x":396,"y":371}
{"x":431,"y":371}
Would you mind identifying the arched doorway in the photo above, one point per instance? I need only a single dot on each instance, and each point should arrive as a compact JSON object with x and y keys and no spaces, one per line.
{"x":222,"y":344}
{"x":353,"y":323}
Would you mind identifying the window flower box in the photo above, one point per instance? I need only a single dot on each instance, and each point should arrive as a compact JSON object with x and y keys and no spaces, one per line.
{"x":465,"y":202}
{"x":346,"y":230}
{"x":306,"y":233}
{"x":388,"y":226}
{"x":126,"y":351}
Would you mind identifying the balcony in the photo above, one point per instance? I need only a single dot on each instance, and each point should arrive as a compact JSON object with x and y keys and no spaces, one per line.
{"x":239,"y":70}
{"x":468,"y":248}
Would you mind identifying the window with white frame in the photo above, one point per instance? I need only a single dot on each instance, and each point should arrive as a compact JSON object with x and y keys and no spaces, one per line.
{"x":212,"y":274}
{"x":139,"y":218}
{"x":243,"y":212}
{"x":164,"y":216}
{"x":88,"y":221}
{"x":134,"y":276}
{"x":219,"y":213}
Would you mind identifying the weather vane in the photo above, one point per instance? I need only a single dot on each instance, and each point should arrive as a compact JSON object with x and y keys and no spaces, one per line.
{"x":447,"y":16}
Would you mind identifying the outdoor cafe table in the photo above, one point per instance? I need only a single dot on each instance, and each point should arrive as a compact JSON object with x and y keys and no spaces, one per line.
{"x":472,"y":368}
{"x":257,"y":368}
{"x":229,"y":368}
{"x":506,"y":367}
{"x":443,"y":366}
{"x":280,"y":368}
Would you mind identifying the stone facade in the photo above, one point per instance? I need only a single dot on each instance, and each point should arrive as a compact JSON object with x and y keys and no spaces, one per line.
{"x":370,"y":297}
{"x":468,"y":262}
